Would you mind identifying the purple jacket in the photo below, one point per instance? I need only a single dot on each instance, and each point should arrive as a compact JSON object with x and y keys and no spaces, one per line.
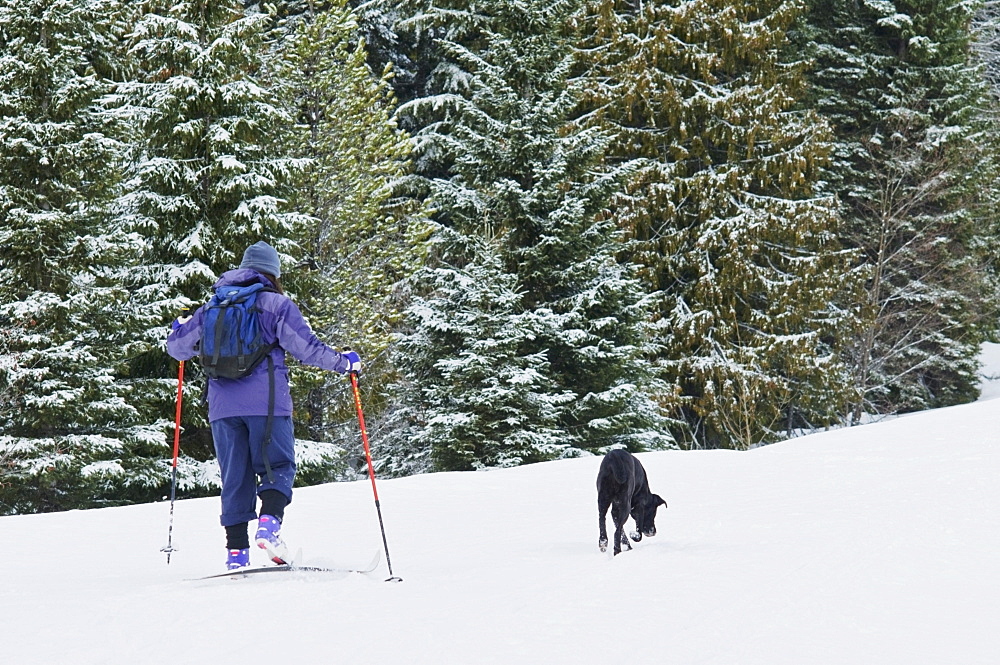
{"x":281,"y":321}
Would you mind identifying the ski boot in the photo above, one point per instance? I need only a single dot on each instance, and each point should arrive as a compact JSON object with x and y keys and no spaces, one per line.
{"x":269,"y":538}
{"x":237,"y":559}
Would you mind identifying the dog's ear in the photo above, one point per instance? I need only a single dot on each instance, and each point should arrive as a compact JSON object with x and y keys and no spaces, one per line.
{"x":658,"y":500}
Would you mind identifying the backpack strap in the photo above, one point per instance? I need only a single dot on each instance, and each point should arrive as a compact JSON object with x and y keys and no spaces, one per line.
{"x":270,"y":418}
{"x":217,"y":335}
{"x":270,"y":399}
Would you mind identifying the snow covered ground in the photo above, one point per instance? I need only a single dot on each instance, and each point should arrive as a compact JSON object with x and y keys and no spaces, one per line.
{"x":872,"y":545}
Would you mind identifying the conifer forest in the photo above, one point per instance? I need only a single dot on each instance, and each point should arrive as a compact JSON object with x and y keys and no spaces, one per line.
{"x":549,"y":228}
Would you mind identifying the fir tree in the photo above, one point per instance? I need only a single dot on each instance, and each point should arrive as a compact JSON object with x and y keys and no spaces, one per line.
{"x":71,"y":436}
{"x":204,"y":182}
{"x":521,"y":180}
{"x":721,"y":213}
{"x":472,"y":397}
{"x":915,"y":168}
{"x":986,"y":42}
{"x":413,"y":35}
{"x":359,"y":243}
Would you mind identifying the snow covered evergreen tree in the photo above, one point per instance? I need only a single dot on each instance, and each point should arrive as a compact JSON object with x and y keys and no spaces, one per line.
{"x":472,"y":397}
{"x":70,"y":435}
{"x":986,"y":41}
{"x":204,"y":182}
{"x":359,"y":243}
{"x":521,"y":181}
{"x":721,"y":211}
{"x":412,"y":35}
{"x":915,"y":168}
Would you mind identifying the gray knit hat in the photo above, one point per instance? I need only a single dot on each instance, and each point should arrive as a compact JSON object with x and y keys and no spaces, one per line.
{"x":263,"y":258}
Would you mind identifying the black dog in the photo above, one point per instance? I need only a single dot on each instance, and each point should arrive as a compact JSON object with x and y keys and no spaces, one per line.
{"x":621,"y":483}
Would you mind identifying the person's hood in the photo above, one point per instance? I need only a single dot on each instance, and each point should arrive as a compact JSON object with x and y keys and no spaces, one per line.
{"x":241,"y":277}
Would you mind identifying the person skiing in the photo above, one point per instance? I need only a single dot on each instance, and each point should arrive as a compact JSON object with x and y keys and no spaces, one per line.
{"x":251,"y":417}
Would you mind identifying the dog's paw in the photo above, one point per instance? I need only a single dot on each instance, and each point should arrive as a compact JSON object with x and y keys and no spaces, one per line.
{"x":603,"y":544}
{"x":635,"y":535}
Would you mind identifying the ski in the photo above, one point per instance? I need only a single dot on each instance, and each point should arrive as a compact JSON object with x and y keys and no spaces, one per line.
{"x":296,"y":568}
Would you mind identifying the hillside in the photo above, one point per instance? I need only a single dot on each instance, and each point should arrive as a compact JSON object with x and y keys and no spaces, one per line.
{"x":876,"y":544}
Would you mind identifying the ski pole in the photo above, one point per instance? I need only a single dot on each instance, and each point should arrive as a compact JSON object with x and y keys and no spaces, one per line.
{"x":177,"y":446}
{"x":371,"y":473}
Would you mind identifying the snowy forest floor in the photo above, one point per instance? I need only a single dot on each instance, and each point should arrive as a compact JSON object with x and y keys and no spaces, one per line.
{"x":876,"y":544}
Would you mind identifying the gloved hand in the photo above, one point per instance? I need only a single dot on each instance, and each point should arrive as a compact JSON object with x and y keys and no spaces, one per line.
{"x":353,"y":360}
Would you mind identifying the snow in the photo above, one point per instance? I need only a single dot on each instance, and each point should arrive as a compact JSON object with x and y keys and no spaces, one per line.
{"x":873,"y":544}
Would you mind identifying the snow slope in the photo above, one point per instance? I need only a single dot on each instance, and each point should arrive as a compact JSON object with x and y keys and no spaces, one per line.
{"x":872,"y":545}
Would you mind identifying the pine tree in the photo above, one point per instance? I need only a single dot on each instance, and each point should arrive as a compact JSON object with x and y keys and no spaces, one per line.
{"x":204,"y":182}
{"x":71,"y":436}
{"x":472,"y":398}
{"x":519,"y":179}
{"x":359,"y":243}
{"x":721,"y":211}
{"x":986,"y":42}
{"x":413,"y":35}
{"x":915,"y":168}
